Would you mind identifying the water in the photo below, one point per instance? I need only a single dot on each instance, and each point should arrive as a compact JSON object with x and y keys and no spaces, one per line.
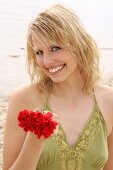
{"x":15,"y":17}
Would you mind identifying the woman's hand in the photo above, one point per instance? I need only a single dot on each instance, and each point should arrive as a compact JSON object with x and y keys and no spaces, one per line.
{"x":54,"y":118}
{"x":41,"y":124}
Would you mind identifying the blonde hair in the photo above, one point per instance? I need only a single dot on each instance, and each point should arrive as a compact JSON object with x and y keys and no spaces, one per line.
{"x":60,"y":25}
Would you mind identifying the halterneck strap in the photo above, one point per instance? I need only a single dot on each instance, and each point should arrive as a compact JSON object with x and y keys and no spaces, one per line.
{"x":45,"y":106}
{"x":94,"y":98}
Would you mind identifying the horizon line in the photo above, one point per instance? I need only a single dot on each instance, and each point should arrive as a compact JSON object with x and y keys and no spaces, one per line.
{"x":105,"y":48}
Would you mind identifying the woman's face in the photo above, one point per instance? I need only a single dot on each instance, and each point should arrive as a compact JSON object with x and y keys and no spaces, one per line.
{"x":55,"y":61}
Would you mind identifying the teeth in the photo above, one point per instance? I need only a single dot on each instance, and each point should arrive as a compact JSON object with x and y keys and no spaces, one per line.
{"x":53,"y":70}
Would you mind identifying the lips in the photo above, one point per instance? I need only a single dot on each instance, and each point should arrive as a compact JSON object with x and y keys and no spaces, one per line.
{"x":56,"y":69}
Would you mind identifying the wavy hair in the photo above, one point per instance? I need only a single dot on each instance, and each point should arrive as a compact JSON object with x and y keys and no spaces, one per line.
{"x":60,"y":25}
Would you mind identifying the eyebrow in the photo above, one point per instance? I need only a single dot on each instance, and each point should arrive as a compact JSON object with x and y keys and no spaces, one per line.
{"x":51,"y":46}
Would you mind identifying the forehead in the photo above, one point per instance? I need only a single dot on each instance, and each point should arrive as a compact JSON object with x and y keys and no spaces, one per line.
{"x":39,"y":41}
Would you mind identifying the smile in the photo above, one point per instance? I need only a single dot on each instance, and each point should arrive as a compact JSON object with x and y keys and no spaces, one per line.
{"x":56,"y":69}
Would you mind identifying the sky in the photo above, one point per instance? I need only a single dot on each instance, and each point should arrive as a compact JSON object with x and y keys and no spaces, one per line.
{"x":96,"y":15}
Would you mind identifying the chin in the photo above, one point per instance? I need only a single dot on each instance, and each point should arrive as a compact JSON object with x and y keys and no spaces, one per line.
{"x":57,"y":80}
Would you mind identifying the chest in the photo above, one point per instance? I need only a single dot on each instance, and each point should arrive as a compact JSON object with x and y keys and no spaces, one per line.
{"x":71,"y":158}
{"x":73,"y":120}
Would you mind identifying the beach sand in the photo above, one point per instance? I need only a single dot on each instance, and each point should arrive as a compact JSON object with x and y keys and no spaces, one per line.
{"x":3,"y":112}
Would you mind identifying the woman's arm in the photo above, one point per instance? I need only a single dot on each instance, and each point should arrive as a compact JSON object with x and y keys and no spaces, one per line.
{"x":109,"y":98}
{"x":109,"y":164}
{"x":29,"y":154}
{"x":104,"y":96}
{"x":21,"y":150}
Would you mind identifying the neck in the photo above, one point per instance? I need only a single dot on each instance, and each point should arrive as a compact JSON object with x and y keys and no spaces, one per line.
{"x":71,"y":88}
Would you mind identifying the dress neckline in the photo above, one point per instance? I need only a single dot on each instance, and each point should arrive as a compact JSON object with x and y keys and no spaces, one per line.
{"x":63,"y":135}
{"x":81,"y":132}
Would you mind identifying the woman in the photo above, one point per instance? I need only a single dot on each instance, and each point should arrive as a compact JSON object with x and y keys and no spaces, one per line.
{"x":63,"y":63}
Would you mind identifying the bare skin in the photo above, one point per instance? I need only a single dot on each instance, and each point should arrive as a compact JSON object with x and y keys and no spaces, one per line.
{"x":16,"y":142}
{"x":66,"y":100}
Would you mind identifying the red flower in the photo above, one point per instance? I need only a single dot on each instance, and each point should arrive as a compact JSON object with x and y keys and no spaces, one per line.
{"x":36,"y":122}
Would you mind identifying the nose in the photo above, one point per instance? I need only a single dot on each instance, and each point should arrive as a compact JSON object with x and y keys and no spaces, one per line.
{"x":48,"y":60}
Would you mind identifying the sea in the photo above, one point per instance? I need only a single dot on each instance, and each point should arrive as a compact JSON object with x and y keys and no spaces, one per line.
{"x":15,"y":17}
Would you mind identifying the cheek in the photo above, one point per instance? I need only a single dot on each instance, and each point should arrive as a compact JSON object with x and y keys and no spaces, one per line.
{"x":39,"y":62}
{"x":73,"y":63}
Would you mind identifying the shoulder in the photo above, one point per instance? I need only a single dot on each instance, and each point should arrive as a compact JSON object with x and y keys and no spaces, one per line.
{"x":104,"y":93}
{"x":27,"y":96}
{"x":104,"y":97}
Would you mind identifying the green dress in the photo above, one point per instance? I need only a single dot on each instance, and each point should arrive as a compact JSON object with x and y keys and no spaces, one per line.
{"x":90,"y":151}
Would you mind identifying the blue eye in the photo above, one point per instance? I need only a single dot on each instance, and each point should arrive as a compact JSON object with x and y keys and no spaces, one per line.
{"x":55,"y":48}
